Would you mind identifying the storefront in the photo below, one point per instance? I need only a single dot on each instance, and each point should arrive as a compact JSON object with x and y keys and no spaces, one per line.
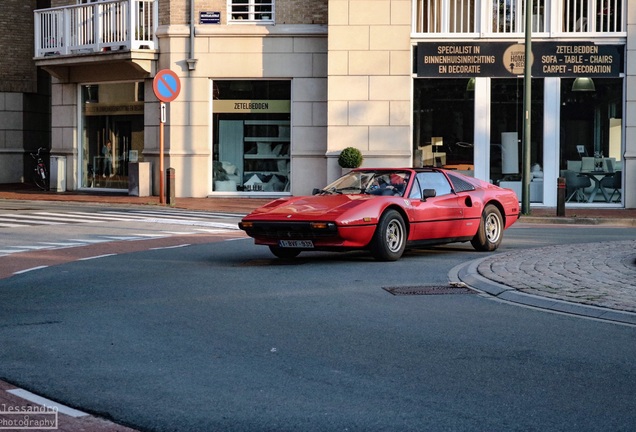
{"x":251,"y":136}
{"x":112,"y":125}
{"x":469,"y":115}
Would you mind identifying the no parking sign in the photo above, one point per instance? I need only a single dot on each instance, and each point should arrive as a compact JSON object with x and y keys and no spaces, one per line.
{"x":166,"y":85}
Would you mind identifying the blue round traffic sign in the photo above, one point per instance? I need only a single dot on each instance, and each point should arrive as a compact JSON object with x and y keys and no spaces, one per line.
{"x":166,"y":85}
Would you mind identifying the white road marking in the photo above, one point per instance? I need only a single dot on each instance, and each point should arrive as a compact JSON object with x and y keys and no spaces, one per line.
{"x":180,"y":232}
{"x":85,"y":216}
{"x":120,"y":237}
{"x":170,"y":247}
{"x":90,"y":240}
{"x":95,"y":257}
{"x":42,"y":218}
{"x":25,"y":222}
{"x":31,"y":247}
{"x":62,"y":244}
{"x":29,"y":269}
{"x":9,"y":225}
{"x":26,"y":395}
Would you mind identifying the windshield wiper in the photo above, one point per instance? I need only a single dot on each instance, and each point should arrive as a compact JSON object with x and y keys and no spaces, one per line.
{"x":355,"y":188}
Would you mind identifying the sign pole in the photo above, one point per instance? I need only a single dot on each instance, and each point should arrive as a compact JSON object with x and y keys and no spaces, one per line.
{"x":527,"y":104}
{"x":162,"y":195}
{"x":166,"y":86}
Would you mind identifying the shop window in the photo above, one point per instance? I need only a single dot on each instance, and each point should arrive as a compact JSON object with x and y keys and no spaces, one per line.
{"x":591,"y":137}
{"x":252,"y":136}
{"x":443,"y":124}
{"x":247,"y":11}
{"x":506,"y":135}
{"x":112,"y":133}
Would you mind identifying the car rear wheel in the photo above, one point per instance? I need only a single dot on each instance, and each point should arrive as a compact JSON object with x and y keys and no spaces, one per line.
{"x":490,"y":233}
{"x":389,"y":239}
{"x":285,"y":253}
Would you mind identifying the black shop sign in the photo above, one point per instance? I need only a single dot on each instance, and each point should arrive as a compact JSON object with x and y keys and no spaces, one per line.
{"x":504,"y":59}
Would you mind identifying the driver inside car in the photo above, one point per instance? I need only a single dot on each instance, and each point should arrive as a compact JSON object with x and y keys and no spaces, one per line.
{"x":395,"y":185}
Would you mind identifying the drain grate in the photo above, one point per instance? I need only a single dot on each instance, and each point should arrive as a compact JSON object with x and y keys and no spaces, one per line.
{"x":429,"y":290}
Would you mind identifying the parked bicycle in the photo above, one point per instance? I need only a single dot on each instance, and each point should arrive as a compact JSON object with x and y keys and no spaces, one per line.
{"x":40,"y":173}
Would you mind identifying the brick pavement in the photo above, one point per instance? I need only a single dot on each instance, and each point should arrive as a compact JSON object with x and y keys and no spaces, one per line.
{"x":598,"y":274}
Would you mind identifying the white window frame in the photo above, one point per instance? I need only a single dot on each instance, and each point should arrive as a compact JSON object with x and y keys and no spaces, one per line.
{"x":506,"y":18}
{"x":237,"y":15}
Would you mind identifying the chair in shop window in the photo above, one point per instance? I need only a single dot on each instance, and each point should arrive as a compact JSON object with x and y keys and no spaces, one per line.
{"x":575,"y":184}
{"x":613,"y":182}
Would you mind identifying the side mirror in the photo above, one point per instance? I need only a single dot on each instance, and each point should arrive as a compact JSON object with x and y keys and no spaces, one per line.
{"x":428,"y":193}
{"x":316,"y":191}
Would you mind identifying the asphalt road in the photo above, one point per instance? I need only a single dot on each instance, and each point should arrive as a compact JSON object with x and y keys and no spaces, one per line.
{"x":222,"y":337}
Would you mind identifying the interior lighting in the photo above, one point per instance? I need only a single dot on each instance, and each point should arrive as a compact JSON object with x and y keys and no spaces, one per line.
{"x":583,"y":84}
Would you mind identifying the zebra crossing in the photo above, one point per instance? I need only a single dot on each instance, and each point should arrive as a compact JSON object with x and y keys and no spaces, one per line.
{"x":177,"y":223}
{"x":35,"y":218}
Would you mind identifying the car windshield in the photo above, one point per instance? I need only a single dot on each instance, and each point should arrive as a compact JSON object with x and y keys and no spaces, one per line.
{"x":370,"y":182}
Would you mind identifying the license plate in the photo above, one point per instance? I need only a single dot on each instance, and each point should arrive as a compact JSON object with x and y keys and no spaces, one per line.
{"x":307,"y":244}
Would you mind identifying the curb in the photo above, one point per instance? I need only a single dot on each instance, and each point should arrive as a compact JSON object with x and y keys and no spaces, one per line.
{"x":467,"y":273}
{"x":556,"y":220}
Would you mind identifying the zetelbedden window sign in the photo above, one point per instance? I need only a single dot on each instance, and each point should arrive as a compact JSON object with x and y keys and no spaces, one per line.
{"x":252,"y":136}
{"x":251,"y":11}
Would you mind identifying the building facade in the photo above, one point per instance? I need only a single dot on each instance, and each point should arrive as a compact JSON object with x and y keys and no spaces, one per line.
{"x":24,"y":93}
{"x":272,"y":91}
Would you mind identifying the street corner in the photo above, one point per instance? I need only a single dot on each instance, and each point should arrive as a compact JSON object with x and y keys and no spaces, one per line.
{"x":591,"y":279}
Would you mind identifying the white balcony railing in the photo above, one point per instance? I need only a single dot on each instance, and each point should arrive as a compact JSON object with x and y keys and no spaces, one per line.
{"x":507,"y":17}
{"x":94,"y":27}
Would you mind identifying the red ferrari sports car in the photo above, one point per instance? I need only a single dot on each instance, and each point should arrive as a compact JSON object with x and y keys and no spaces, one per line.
{"x":385,"y":211}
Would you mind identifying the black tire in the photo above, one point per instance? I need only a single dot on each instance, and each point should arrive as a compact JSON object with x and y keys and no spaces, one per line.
{"x":39,"y":181}
{"x":389,"y":239}
{"x":284,"y":253}
{"x":490,"y":232}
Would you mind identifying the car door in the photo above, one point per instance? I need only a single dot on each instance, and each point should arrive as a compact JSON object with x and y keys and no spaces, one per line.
{"x":438,"y":217}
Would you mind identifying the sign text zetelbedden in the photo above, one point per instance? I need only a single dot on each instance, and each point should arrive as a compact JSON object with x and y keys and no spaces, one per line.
{"x":505,"y":59}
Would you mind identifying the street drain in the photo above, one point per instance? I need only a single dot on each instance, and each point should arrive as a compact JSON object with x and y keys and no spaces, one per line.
{"x":429,"y":290}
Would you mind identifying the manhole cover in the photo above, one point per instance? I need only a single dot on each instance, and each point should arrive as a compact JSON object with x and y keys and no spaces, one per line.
{"x":429,"y":290}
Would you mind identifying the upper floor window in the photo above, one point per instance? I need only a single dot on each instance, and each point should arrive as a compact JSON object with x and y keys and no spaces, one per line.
{"x":509,"y":16}
{"x":503,"y":17}
{"x":445,"y":16}
{"x":251,"y":10}
{"x":592,"y":16}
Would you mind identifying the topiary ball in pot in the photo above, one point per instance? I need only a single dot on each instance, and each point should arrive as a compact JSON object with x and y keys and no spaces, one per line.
{"x":350,"y":157}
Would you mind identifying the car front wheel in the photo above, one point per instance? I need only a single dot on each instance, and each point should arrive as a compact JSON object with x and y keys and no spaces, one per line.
{"x":490,"y":233}
{"x":389,"y":240}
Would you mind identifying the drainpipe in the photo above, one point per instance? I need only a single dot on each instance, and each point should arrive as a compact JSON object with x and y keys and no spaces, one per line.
{"x":192,"y":62}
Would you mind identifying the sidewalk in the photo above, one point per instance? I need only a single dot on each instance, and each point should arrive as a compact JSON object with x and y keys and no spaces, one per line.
{"x":225,"y":205}
{"x":243,"y":205}
{"x":565,"y":278}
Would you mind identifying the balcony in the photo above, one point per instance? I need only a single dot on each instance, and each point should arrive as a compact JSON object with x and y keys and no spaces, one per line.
{"x":506,"y":18}
{"x":113,"y":31}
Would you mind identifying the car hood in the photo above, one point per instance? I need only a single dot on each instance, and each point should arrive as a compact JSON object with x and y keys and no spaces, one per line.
{"x":316,"y":207}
